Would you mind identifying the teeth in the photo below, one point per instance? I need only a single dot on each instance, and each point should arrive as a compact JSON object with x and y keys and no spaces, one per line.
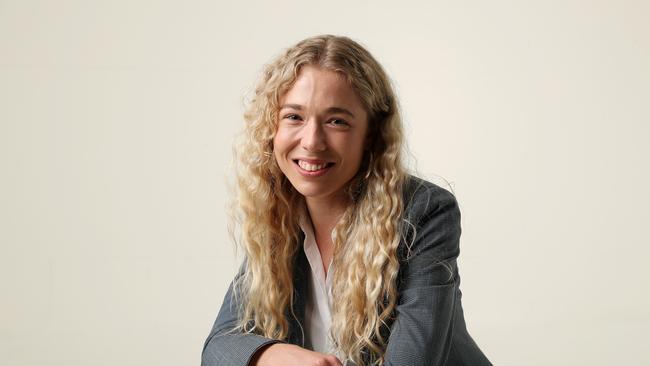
{"x":311,"y":167}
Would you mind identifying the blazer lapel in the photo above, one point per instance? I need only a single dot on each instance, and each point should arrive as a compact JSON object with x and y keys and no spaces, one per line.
{"x":300,"y":293}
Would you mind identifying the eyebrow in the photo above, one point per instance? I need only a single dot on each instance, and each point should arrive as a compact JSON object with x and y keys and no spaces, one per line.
{"x":329,"y":110}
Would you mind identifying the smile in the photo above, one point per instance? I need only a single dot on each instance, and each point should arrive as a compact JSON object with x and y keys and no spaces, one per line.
{"x":311,"y":169}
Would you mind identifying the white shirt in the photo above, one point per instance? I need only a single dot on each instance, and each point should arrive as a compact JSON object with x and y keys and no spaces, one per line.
{"x":318,"y":316}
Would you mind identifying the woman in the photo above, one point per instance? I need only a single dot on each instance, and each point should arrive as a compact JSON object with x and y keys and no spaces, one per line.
{"x":348,"y":260}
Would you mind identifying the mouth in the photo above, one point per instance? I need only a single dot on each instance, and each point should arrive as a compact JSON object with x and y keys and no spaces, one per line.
{"x":313,"y":167}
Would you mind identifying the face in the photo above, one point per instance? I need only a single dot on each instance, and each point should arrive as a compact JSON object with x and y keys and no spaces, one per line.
{"x":322,"y":126}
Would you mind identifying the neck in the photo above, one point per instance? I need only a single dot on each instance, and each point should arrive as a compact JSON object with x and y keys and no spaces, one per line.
{"x":324,"y":214}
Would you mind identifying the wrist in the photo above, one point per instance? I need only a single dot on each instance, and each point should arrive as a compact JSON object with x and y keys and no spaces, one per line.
{"x":260,"y":356}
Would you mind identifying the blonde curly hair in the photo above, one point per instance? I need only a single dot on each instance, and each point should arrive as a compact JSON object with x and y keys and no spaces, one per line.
{"x":365,"y":263}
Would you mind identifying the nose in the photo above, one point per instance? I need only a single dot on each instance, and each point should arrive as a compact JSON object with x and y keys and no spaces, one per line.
{"x":313,"y":137}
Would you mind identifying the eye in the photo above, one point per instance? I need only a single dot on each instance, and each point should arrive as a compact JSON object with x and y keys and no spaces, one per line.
{"x":292,"y":117}
{"x":339,"y":122}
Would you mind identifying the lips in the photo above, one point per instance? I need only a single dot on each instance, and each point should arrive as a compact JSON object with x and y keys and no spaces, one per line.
{"x":313,"y":166}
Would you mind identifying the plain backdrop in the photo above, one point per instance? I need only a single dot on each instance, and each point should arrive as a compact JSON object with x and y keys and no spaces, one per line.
{"x":116,"y":128}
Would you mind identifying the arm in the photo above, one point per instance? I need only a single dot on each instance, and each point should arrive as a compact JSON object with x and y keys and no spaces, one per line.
{"x":225,"y":347}
{"x":422,"y":331}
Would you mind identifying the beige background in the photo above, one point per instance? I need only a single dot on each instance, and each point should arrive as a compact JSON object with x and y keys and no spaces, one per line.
{"x":116,"y":121}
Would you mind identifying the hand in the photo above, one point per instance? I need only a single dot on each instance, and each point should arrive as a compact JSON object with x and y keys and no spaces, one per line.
{"x":292,"y":355}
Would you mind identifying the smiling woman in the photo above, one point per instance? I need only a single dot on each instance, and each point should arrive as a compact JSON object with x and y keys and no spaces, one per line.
{"x":348,"y":259}
{"x":319,"y":142}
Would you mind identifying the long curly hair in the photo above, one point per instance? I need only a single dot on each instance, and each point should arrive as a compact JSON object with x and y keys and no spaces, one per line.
{"x":365,"y":263}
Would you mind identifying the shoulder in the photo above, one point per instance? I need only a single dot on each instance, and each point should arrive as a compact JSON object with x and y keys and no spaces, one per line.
{"x":431,"y":220}
{"x":422,"y":198}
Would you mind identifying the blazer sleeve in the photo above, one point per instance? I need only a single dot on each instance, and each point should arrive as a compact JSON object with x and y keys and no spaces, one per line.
{"x":421,"y":333}
{"x":225,"y":347}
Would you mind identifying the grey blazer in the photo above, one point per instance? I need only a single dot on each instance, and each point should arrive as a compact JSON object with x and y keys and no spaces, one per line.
{"x":428,"y":327}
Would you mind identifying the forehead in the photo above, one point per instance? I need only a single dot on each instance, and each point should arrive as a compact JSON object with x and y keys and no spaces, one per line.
{"x":318,"y":87}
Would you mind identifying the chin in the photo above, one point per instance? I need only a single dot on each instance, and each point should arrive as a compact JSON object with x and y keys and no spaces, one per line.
{"x":309,"y":189}
{"x":311,"y":192}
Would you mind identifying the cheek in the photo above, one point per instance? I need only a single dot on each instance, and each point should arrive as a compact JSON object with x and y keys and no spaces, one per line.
{"x":280,"y":145}
{"x":354,"y":148}
{"x":358,"y":158}
{"x":277,"y":140}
